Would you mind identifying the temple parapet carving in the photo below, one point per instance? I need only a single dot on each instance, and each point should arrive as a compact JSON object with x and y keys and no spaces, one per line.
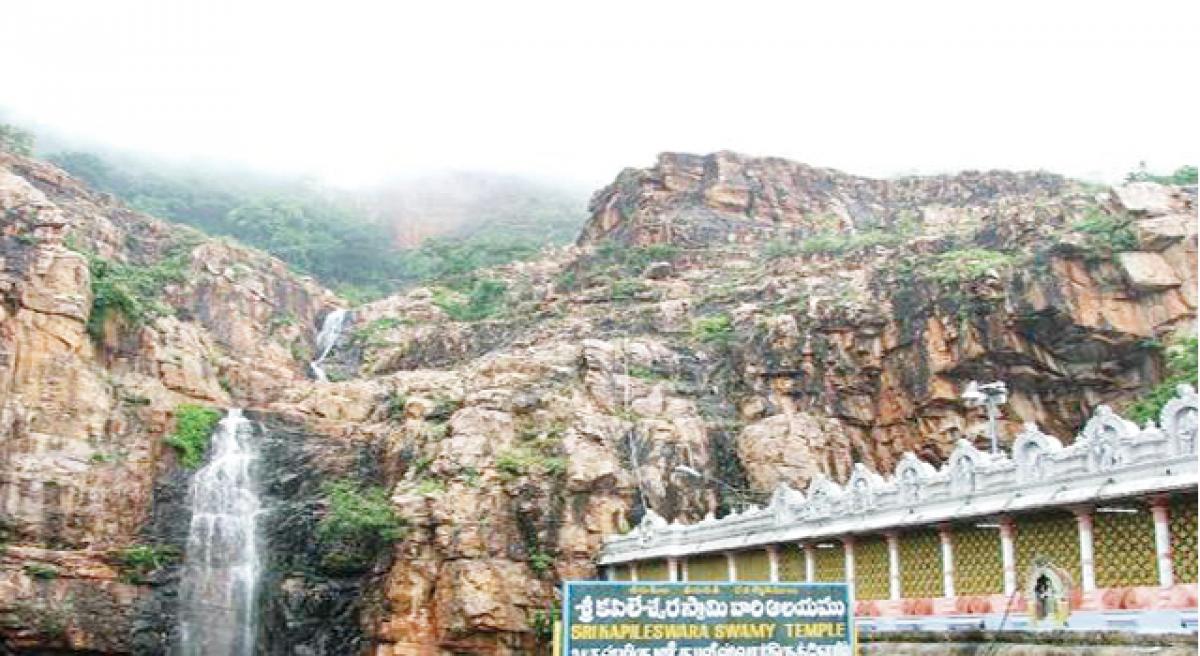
{"x":1112,"y":457}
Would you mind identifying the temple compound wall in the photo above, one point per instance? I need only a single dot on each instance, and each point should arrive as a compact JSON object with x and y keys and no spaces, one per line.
{"x":1100,"y":534}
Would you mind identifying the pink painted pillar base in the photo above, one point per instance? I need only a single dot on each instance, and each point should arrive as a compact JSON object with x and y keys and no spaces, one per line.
{"x":889,"y":607}
{"x":1093,"y":600}
{"x":945,"y":606}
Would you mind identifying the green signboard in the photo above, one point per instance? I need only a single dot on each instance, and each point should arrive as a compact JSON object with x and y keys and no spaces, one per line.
{"x":617,"y":618}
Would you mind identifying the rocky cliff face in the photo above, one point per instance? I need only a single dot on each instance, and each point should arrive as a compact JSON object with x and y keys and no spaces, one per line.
{"x":86,"y":403}
{"x":754,"y":320}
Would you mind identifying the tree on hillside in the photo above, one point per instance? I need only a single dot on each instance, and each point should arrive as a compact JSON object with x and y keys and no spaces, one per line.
{"x":15,"y":140}
{"x":1184,"y":175}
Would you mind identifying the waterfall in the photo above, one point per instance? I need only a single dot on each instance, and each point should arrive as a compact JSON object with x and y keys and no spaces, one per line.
{"x":331,"y":330}
{"x":221,"y":566}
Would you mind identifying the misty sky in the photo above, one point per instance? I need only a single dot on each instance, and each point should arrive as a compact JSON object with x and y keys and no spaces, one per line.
{"x":355,"y":91}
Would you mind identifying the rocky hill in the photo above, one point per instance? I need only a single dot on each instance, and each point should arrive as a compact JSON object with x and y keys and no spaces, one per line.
{"x":757,"y":320}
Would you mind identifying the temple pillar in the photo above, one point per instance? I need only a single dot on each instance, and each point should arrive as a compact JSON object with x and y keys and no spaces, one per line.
{"x":1008,"y":558}
{"x":672,"y":569}
{"x":893,"y":547}
{"x":947,"y":538}
{"x":731,"y":563}
{"x":633,"y":573}
{"x":773,"y":563}
{"x":1087,"y":548}
{"x":848,"y":547}
{"x":1162,"y":540}
{"x":810,"y":563}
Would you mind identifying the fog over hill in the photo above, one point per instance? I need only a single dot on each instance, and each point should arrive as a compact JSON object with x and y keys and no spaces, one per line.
{"x":364,"y":241}
{"x":478,"y":203}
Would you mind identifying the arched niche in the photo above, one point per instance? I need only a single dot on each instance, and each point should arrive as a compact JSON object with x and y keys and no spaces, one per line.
{"x":911,"y":477}
{"x":1179,"y":420}
{"x":862,"y":488}
{"x":1104,"y":437}
{"x":1031,"y":450}
{"x":1048,"y":591}
{"x":822,"y":495}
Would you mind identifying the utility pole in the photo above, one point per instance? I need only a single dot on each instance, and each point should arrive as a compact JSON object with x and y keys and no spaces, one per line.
{"x":989,"y":396}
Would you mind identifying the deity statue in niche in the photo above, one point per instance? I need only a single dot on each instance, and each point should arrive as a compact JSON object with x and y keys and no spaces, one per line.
{"x":964,"y":476}
{"x":862,"y":495}
{"x":1032,"y":462}
{"x":910,"y":485}
{"x":1185,"y":429}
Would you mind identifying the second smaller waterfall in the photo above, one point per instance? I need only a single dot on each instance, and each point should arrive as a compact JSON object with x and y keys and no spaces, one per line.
{"x":331,"y":331}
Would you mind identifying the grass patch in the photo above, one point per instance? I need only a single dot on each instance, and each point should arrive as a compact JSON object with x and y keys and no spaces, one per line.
{"x":519,"y":461}
{"x":484,"y":300}
{"x":837,"y":242}
{"x":612,"y":261}
{"x":540,"y":562}
{"x":956,"y":267}
{"x":396,"y":405}
{"x":371,"y":334}
{"x":141,"y":560}
{"x":194,"y":425}
{"x":646,"y":373}
{"x":626,"y":289}
{"x":443,"y":408}
{"x":41,"y":571}
{"x":716,"y":330}
{"x":430,"y":486}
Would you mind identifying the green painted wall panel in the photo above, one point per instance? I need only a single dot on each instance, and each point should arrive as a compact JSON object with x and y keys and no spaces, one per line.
{"x":920,"y":564}
{"x":709,"y":567}
{"x":978,"y":565}
{"x":791,"y":563}
{"x":1124,"y":546}
{"x":871,"y":567}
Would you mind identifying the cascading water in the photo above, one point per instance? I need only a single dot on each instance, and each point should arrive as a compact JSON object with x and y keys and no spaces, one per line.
{"x":222,"y":564}
{"x":331,"y":330}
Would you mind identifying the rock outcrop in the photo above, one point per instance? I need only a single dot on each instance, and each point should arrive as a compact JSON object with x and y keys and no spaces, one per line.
{"x":86,"y":404}
{"x":724,"y":324}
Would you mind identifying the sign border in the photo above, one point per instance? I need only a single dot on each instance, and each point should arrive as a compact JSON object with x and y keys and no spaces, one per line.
{"x":851,"y":620}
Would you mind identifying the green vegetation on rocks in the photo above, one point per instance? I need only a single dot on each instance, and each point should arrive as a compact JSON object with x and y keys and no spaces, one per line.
{"x":484,"y":300}
{"x":1181,"y":362}
{"x":371,"y":333}
{"x":1184,"y":175}
{"x":137,"y":562}
{"x":41,"y":571}
{"x":1106,"y":234}
{"x":194,"y":425}
{"x":359,"y":522}
{"x":964,"y":265}
{"x":616,"y":265}
{"x":519,"y":461}
{"x":715,"y":330}
{"x":134,"y":292}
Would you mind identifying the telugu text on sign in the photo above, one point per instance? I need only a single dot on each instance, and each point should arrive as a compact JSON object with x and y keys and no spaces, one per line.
{"x":707,"y":619}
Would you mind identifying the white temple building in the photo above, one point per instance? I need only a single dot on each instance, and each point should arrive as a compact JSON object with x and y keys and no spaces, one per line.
{"x":1098,"y":535}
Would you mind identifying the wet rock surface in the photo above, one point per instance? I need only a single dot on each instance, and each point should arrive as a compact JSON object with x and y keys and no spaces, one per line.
{"x":305,"y":609}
